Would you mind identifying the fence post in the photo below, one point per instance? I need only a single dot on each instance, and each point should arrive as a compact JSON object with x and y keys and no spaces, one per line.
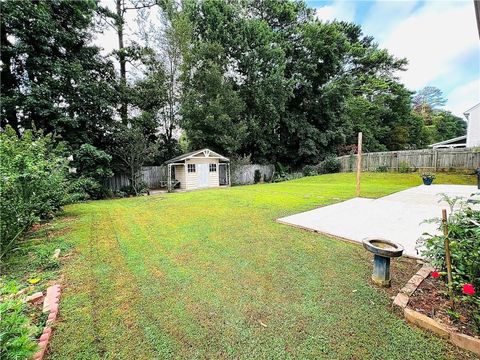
{"x":435,"y":156}
{"x":359,"y":162}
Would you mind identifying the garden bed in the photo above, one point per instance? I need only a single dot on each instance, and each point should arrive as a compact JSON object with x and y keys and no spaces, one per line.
{"x":430,"y":299}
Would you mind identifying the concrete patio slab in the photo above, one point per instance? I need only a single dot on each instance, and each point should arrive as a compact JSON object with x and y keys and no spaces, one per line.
{"x":397,"y":217}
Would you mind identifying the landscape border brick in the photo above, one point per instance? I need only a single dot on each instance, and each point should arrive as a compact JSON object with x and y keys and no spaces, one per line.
{"x":50,"y":306}
{"x":463,"y":341}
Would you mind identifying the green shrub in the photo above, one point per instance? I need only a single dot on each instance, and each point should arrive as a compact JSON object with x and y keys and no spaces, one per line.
{"x":280,"y":168}
{"x":34,"y":184}
{"x":330,"y":165}
{"x":86,"y":188}
{"x":130,"y":191}
{"x":286,"y":177}
{"x":382,"y":168}
{"x":464,"y":238}
{"x":93,"y":169}
{"x":257,"y":176}
{"x":309,"y":170}
{"x":17,"y":333}
{"x":403,"y":167}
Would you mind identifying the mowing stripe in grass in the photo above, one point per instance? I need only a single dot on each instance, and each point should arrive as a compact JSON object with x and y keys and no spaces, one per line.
{"x":210,"y":274}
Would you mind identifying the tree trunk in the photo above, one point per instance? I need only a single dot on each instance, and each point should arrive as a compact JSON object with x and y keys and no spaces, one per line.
{"x":123,"y":62}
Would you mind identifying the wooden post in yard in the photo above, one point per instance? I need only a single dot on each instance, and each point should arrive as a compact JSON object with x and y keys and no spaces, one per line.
{"x":359,"y":162}
{"x":448,"y":260}
{"x":169,"y":175}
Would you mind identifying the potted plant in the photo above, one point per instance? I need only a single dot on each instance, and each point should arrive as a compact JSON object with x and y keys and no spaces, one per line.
{"x":428,"y":178}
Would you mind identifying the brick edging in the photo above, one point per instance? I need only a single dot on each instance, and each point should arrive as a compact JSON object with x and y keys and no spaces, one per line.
{"x":50,"y":306}
{"x":401,"y":301}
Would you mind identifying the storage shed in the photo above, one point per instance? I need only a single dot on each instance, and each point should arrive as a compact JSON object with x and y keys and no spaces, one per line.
{"x":198,"y":169}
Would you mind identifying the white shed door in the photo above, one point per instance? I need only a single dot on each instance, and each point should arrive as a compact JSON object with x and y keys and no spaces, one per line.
{"x":202,"y":175}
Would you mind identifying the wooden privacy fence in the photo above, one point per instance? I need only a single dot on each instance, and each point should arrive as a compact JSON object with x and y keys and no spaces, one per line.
{"x":245,"y":174}
{"x":152,"y":175}
{"x":427,"y":159}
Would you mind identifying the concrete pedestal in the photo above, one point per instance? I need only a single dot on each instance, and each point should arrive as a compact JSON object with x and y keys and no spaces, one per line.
{"x":381,"y":271}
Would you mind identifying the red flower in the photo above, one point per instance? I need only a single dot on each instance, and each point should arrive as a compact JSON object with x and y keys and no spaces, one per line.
{"x":435,"y":274}
{"x":468,"y":289}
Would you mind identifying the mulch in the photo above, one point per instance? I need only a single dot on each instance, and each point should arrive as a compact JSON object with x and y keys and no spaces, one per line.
{"x":431,"y":299}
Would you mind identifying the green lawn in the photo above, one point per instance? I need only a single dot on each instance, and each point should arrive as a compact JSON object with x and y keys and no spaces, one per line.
{"x":210,"y":274}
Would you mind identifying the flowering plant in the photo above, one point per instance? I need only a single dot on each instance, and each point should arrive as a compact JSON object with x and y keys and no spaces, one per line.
{"x":464,"y":239}
{"x":468,"y":289}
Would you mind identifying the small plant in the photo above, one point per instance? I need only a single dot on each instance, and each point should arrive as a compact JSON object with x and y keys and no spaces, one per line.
{"x":382,"y":168}
{"x":257,"y":176}
{"x":309,"y":170}
{"x":428,"y":178}
{"x":17,"y":338}
{"x":404,"y":167}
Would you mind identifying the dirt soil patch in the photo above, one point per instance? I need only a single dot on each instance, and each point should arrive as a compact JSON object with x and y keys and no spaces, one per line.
{"x":430,"y":299}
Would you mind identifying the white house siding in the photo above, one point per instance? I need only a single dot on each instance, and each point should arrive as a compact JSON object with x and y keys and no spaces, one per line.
{"x":473,"y":130}
{"x":192,"y":178}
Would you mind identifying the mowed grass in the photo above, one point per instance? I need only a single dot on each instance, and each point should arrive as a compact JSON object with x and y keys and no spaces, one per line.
{"x":210,"y":274}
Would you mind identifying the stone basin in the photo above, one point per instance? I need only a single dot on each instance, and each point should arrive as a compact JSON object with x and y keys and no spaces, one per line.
{"x":382,"y":247}
{"x":382,"y":250}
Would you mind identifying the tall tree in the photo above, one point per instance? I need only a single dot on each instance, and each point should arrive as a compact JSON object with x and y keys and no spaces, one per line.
{"x":160,"y":91}
{"x":52,"y":79}
{"x":116,"y":19}
{"x":212,"y":109}
{"x":428,"y":100}
{"x":298,"y":79}
{"x":446,"y":126}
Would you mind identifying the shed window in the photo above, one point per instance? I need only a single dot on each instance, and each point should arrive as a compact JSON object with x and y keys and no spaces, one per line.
{"x":213,"y":167}
{"x":191,"y":168}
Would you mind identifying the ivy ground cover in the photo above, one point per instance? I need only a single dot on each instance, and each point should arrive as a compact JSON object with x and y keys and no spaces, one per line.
{"x":210,"y":274}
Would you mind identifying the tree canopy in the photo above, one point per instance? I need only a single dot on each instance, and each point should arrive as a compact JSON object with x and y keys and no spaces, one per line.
{"x":259,"y":79}
{"x":53,"y":78}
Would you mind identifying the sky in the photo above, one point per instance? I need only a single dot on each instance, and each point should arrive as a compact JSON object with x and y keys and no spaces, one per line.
{"x":439,"y":38}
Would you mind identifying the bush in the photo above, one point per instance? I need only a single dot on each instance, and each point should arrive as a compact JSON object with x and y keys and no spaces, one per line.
{"x":85,"y":188}
{"x":309,"y":170}
{"x":464,"y":237}
{"x":403,"y":167}
{"x":286,"y":177}
{"x":17,"y":333}
{"x":129,"y":190}
{"x":280,"y":169}
{"x":257,"y":176}
{"x":34,"y":184}
{"x":330,"y":165}
{"x":382,"y":168}
{"x":93,"y":167}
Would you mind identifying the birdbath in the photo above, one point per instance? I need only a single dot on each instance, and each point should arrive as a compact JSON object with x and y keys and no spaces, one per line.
{"x":382,"y":250}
